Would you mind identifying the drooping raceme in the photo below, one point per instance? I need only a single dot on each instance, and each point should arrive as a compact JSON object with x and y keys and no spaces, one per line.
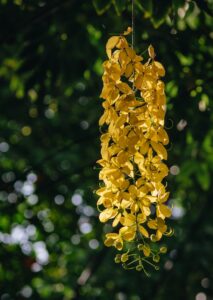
{"x":133,"y":197}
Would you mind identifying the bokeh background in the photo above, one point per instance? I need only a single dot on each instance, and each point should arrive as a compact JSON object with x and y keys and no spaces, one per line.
{"x":51,"y":241}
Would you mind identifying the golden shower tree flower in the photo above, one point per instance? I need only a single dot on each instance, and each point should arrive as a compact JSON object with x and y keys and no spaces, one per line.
{"x":133,"y":195}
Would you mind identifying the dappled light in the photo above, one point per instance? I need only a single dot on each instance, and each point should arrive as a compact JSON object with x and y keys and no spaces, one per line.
{"x":51,"y":68}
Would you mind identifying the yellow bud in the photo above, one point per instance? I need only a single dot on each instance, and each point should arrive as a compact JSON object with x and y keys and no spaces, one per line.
{"x":139,"y":268}
{"x":163,"y":249}
{"x":156,"y":258}
{"x":124,"y":257}
{"x":140,"y":247}
{"x":118,"y":258}
{"x":153,"y":238}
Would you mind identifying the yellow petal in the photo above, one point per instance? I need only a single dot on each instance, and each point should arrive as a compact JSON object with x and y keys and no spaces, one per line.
{"x":170,"y":232}
{"x":105,"y":138}
{"x":163,"y":136}
{"x":152,"y":199}
{"x":133,"y":191}
{"x":159,"y":149}
{"x":122,"y":157}
{"x":110,"y":239}
{"x":128,"y":220}
{"x":123,"y":58}
{"x":143,"y":231}
{"x":122,"y":43}
{"x":105,"y":153}
{"x":163,"y":211}
{"x":129,"y":234}
{"x":128,"y":31}
{"x":161,"y":225}
{"x":119,"y":244}
{"x":145,"y":210}
{"x":141,"y":218}
{"x":112,"y":236}
{"x":158,"y":235}
{"x":107,"y":214}
{"x":151,"y":52}
{"x":148,"y":82}
{"x":139,"y":68}
{"x":152,"y":224}
{"x":116,"y":220}
{"x":129,"y":70}
{"x":121,"y":120}
{"x":101,"y":191}
{"x":111,"y":172}
{"x":130,"y":53}
{"x":103,"y":118}
{"x":112,"y":42}
{"x":124,"y":87}
{"x":159,"y":68}
{"x":138,"y":158}
{"x":146,"y":250}
{"x":138,"y":81}
{"x":164,"y":197}
{"x":144,"y":148}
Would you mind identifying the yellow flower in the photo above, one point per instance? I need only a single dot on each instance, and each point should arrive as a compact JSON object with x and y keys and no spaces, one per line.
{"x":139,"y":200}
{"x":133,"y":152}
{"x":116,"y":211}
{"x":159,"y":225}
{"x":133,"y":222}
{"x":151,"y":167}
{"x":117,"y":239}
{"x":114,"y":239}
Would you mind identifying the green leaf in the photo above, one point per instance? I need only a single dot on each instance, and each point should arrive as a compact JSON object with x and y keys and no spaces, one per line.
{"x":119,"y":5}
{"x":203,"y":177}
{"x":178,"y":3}
{"x":205,"y":6}
{"x":187,"y":169}
{"x":101,"y":6}
{"x":145,"y":6}
{"x":160,"y":11}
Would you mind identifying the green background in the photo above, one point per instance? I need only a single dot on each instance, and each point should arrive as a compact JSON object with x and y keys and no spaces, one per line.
{"x":51,"y":241}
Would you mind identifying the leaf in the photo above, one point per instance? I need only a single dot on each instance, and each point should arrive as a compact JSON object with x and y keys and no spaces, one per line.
{"x":203,"y":176}
{"x":203,"y":5}
{"x":178,"y":3}
{"x":160,"y":11}
{"x":145,"y":6}
{"x":101,"y":6}
{"x":119,"y":5}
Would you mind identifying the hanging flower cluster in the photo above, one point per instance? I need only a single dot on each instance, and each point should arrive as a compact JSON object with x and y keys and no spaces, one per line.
{"x":133,"y":196}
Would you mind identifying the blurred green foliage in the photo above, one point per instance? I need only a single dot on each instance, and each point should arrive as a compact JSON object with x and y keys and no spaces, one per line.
{"x":50,"y":80}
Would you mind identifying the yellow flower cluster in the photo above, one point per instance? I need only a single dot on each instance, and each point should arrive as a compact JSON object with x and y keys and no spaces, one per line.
{"x":133,"y":196}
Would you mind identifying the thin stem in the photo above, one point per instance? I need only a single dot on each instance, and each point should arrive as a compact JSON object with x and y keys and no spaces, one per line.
{"x":133,"y":39}
{"x":133,"y":24}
